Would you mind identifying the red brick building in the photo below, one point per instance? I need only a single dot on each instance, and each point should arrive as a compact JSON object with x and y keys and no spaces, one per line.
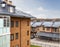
{"x":15,"y":26}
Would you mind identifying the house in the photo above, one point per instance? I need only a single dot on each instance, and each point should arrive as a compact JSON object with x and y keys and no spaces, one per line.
{"x":36,"y":27}
{"x":47,"y":29}
{"x":57,"y":26}
{"x":51,"y":31}
{"x":14,"y":26}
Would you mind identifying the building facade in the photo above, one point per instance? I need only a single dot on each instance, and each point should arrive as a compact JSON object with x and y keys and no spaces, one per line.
{"x":14,"y":26}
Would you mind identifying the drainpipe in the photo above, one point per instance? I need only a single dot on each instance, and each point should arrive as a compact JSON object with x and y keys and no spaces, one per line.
{"x":20,"y":32}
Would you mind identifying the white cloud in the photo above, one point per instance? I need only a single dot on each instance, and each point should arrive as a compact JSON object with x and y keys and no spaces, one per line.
{"x":46,"y":13}
{"x":41,"y":9}
{"x":25,"y":10}
{"x":41,"y":16}
{"x":28,"y":12}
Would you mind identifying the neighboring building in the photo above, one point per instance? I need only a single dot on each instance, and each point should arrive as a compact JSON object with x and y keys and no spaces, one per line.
{"x":36,"y":26}
{"x":57,"y":27}
{"x":48,"y":26}
{"x":14,"y":26}
{"x":48,"y":29}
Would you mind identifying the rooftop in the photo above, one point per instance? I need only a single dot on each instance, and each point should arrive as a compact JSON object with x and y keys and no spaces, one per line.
{"x":46,"y":24}
{"x":5,"y":10}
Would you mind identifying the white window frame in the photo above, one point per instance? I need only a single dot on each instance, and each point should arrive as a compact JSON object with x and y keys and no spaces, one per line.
{"x":11,"y":9}
{"x":3,"y":5}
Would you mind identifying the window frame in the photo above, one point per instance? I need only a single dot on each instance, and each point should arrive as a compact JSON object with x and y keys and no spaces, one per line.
{"x":16,"y":36}
{"x":12,"y":23}
{"x":17,"y":24}
{"x":3,"y":5}
{"x":16,"y":45}
{"x":27,"y":23}
{"x":11,"y":9}
{"x":12,"y":37}
{"x":28,"y":33}
{"x":27,"y":42}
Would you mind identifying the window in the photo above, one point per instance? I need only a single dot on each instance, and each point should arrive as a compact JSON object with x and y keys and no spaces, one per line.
{"x":27,"y":23}
{"x":12,"y":37}
{"x":27,"y":42}
{"x":38,"y":29}
{"x":16,"y":23}
{"x":48,"y":28}
{"x":43,"y":28}
{"x":7,"y":22}
{"x":3,"y":5}
{"x":56,"y":30}
{"x":27,"y":32}
{"x":12,"y":23}
{"x":11,"y":9}
{"x":4,"y":22}
{"x":13,"y":46}
{"x":16,"y":35}
{"x":17,"y":46}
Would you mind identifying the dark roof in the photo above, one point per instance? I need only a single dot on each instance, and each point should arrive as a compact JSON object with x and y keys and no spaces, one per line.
{"x":17,"y":13}
{"x":47,"y":24}
{"x":36,"y":24}
{"x":56,"y":24}
{"x":52,"y":24}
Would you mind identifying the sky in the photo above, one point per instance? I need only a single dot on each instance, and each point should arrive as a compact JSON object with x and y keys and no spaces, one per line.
{"x":39,"y":8}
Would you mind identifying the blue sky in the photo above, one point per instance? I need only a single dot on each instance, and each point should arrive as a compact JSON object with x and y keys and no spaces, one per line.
{"x":39,"y":8}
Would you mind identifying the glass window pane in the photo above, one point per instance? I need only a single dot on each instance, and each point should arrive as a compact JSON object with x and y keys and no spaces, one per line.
{"x":12,"y":23}
{"x":1,"y":22}
{"x":8,"y":38}
{"x":4,"y":30}
{"x":0,"y":31}
{"x":4,"y":39}
{"x":16,"y":23}
{"x":0,"y":41}
{"x":8,"y":30}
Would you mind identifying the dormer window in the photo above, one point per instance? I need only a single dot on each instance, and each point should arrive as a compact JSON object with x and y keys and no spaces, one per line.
{"x":11,"y":9}
{"x":3,"y":5}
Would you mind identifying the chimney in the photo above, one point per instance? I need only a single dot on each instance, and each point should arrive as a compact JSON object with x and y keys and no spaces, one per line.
{"x":10,"y":2}
{"x":6,"y":1}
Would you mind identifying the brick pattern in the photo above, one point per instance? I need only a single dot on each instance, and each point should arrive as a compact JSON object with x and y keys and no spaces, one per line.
{"x":22,"y":30}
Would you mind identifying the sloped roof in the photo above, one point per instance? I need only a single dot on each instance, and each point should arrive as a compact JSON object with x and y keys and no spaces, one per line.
{"x":56,"y":24}
{"x":36,"y":24}
{"x":47,"y":24}
{"x":16,"y":14}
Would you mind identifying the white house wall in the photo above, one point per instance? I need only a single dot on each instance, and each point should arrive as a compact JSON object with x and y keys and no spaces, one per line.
{"x":4,"y":34}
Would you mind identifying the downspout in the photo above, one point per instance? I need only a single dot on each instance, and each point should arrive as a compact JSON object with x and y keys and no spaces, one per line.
{"x":20,"y":32}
